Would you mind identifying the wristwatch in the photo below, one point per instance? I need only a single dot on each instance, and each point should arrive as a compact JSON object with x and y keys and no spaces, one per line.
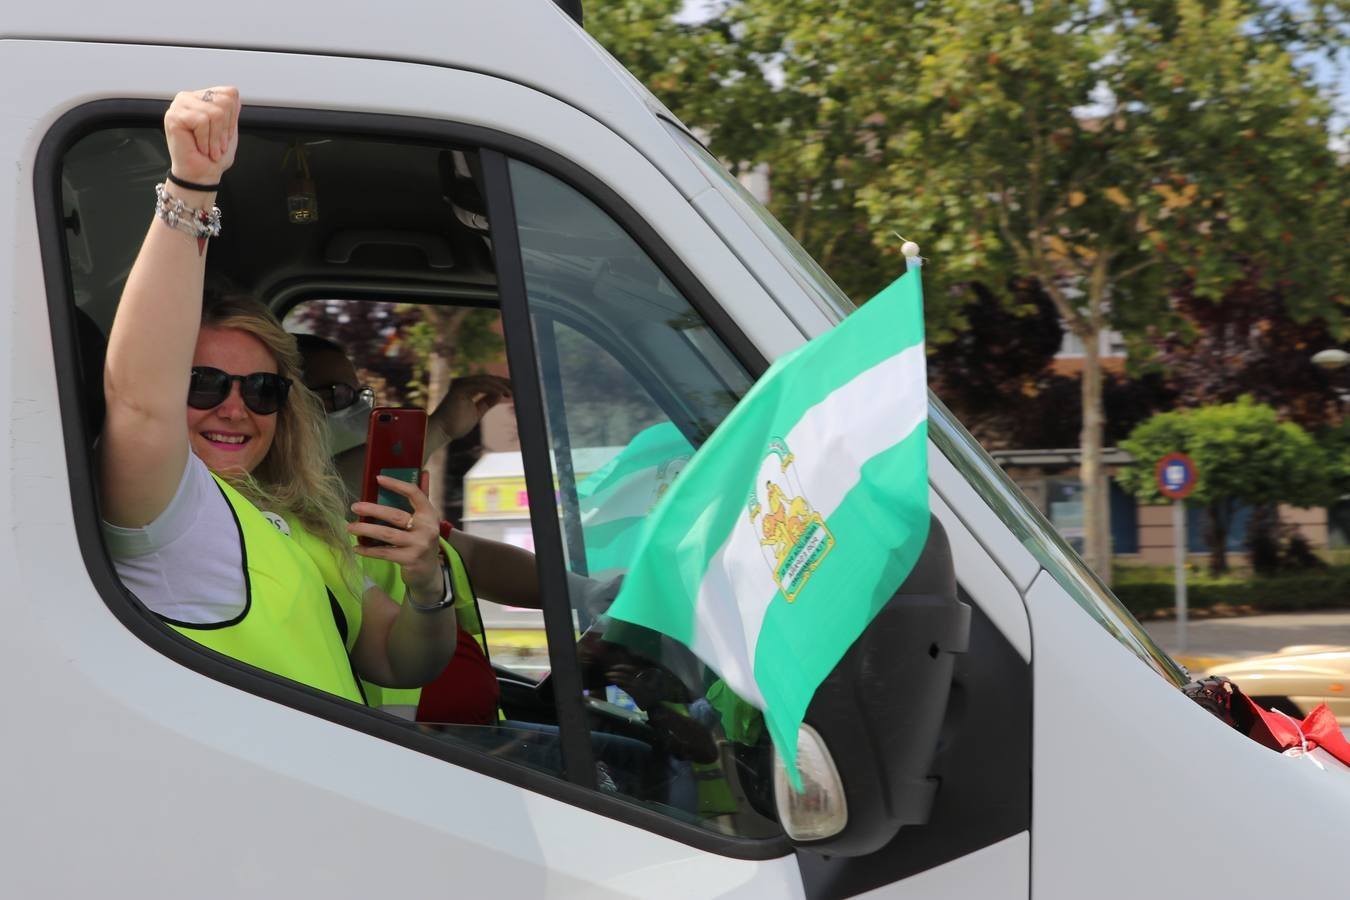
{"x":447,"y":596}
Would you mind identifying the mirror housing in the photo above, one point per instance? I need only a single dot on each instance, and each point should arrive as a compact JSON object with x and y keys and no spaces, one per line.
{"x":879,"y":713}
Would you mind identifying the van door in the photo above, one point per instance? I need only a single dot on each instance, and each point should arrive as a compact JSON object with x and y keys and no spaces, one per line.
{"x":152,"y":763}
{"x":127,"y":738}
{"x":637,"y":364}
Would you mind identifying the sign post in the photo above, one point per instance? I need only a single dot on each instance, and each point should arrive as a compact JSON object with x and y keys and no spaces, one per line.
{"x":1176,"y":479}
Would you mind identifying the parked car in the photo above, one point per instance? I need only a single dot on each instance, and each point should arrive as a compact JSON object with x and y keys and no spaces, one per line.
{"x":1296,"y":679}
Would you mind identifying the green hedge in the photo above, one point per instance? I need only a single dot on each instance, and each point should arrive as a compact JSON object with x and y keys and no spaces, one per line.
{"x":1146,"y":595}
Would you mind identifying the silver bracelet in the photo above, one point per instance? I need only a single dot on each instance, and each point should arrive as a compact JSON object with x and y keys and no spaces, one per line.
{"x":179,"y":216}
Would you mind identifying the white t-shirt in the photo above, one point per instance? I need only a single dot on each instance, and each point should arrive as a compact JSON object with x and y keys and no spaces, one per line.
{"x":187,"y":565}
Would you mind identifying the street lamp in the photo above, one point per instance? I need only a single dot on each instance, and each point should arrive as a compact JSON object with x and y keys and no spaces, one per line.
{"x":1331,"y":360}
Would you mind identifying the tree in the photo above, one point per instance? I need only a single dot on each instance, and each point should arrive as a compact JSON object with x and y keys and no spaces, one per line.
{"x":1242,"y":453}
{"x":760,"y":107}
{"x":1247,"y":343}
{"x":1335,"y":443}
{"x":997,"y":375}
{"x":1108,"y":150}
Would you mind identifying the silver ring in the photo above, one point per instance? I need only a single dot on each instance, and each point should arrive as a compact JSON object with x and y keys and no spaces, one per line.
{"x":407,"y":526}
{"x":208,"y":94}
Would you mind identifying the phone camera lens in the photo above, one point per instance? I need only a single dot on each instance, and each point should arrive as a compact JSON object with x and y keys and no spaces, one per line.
{"x":385,"y":417}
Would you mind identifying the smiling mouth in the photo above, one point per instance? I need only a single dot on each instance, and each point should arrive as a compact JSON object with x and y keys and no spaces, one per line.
{"x":232,"y":441}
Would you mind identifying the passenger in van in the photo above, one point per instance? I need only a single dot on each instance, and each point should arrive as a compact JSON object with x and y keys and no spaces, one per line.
{"x":224,"y":516}
{"x":684,"y":769}
{"x":332,"y":376}
{"x":501,"y":572}
{"x":466,"y":692}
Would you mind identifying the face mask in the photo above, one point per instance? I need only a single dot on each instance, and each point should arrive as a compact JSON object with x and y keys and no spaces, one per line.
{"x":347,"y":427}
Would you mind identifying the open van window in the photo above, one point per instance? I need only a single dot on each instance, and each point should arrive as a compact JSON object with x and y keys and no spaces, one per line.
{"x":383,"y":246}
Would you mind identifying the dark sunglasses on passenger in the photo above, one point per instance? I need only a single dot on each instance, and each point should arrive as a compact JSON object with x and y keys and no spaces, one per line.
{"x":263,"y":392}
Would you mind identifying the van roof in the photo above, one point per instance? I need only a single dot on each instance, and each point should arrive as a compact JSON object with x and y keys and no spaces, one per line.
{"x":531,"y":42}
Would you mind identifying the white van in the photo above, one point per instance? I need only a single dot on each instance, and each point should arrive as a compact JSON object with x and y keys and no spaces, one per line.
{"x":469,"y":154}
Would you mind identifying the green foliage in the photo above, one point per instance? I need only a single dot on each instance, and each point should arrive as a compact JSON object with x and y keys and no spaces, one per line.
{"x":1113,"y":152}
{"x":1241,"y":452}
{"x":1152,"y":591}
{"x":1110,"y":150}
{"x":460,"y":338}
{"x":1335,"y":444}
{"x":756,"y":82}
{"x":1116,"y":150}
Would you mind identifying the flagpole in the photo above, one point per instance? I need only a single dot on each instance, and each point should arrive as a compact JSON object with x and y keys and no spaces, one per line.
{"x":912,"y":259}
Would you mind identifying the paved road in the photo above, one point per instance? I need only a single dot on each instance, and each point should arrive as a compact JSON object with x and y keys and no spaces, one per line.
{"x":1253,"y":635}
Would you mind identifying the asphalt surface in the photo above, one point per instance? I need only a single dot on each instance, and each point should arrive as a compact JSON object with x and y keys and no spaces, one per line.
{"x":1233,"y":638}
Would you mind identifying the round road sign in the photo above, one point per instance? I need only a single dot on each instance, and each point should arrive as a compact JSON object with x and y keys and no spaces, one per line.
{"x":1176,"y":475}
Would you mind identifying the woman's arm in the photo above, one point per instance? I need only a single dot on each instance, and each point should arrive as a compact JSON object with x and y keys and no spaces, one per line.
{"x":404,"y":646}
{"x":462,"y":408}
{"x":501,"y":572}
{"x":401,"y":646}
{"x":504,"y":573}
{"x":144,"y":444}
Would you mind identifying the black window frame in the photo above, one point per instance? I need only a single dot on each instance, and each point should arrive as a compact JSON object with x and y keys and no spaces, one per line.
{"x":575,"y":787}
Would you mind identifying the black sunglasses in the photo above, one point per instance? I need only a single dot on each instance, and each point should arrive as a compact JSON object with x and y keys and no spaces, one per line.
{"x":264,"y":392}
{"x":337,"y":397}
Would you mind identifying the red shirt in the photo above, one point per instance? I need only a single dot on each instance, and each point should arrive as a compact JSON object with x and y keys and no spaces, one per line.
{"x":466,"y":693}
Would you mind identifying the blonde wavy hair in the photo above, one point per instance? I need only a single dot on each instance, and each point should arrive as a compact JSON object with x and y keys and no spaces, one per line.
{"x":296,"y":478}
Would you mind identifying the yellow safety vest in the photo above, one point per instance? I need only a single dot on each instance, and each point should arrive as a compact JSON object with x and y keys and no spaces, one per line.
{"x":290,"y":623}
{"x":348,"y":588}
{"x":345,"y":586}
{"x":385,"y":574}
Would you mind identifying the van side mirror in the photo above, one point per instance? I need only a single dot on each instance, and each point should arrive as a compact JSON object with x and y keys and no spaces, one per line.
{"x":874,"y":723}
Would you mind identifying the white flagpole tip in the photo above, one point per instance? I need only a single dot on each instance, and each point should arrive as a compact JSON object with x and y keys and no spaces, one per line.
{"x":909,"y":249}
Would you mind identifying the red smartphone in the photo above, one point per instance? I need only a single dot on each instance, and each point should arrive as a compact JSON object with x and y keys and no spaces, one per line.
{"x":394,"y":442}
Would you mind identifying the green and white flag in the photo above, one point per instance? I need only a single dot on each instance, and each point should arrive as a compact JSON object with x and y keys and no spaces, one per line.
{"x":799,"y":517}
{"x":616,"y":498}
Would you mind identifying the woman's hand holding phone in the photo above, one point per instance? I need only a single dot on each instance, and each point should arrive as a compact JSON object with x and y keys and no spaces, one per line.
{"x":413,"y":540}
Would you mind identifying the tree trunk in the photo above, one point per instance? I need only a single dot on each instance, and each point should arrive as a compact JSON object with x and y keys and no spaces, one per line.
{"x":1092,"y":474}
{"x":1218,"y":538}
{"x":438,"y":382}
{"x":440,"y":371}
{"x":1263,"y":539}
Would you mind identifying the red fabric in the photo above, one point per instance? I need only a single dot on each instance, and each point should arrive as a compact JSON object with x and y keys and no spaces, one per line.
{"x":466,"y":692}
{"x":1280,"y":732}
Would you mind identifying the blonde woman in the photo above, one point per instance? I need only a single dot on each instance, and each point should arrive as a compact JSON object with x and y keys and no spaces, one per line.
{"x":224,"y":517}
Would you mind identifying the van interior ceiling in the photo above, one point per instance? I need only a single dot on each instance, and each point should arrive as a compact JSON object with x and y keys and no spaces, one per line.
{"x":300,"y":212}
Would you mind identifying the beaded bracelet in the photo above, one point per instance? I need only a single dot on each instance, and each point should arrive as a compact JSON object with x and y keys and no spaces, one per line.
{"x":179,"y":216}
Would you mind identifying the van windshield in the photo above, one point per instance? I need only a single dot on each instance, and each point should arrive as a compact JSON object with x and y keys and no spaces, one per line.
{"x":964,"y":452}
{"x":1039,"y":536}
{"x":808,"y":274}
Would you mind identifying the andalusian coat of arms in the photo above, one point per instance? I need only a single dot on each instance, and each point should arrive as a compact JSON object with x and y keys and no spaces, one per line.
{"x":792,"y":535}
